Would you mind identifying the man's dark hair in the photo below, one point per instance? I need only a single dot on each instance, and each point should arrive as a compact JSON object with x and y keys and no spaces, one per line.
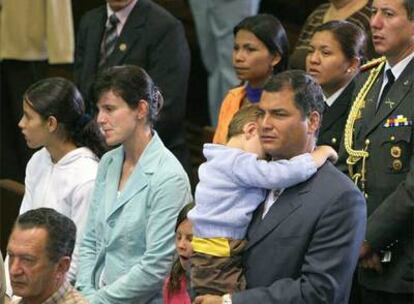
{"x":61,"y":230}
{"x":409,"y":6}
{"x":308,"y":94}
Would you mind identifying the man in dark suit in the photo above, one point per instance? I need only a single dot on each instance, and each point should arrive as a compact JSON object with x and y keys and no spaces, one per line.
{"x":380,"y":145}
{"x":148,"y":36}
{"x":303,"y":242}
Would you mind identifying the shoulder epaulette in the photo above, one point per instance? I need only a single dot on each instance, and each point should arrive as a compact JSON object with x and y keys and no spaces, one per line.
{"x":372,"y":63}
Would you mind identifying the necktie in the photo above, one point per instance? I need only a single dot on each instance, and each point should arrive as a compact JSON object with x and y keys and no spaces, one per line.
{"x":387,"y":87}
{"x":109,"y":40}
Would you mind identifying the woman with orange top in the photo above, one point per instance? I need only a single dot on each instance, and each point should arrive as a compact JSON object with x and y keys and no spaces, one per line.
{"x":260,"y":50}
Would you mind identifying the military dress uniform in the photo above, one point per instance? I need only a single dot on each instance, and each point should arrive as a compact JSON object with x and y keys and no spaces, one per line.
{"x":334,"y":118}
{"x":387,"y":179}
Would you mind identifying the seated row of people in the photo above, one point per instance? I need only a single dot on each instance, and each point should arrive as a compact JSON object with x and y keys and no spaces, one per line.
{"x":139,"y":184}
{"x":140,"y":187}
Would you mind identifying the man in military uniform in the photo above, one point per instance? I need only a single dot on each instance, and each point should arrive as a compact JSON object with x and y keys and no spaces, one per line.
{"x":379,"y":143}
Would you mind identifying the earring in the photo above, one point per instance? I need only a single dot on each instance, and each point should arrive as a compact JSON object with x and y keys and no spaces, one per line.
{"x":349,"y":70}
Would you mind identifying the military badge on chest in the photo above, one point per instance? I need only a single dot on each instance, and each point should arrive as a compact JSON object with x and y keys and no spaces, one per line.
{"x":398,"y":142}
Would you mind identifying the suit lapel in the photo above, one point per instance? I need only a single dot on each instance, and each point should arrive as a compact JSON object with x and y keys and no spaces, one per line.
{"x":139,"y":178}
{"x":369,"y":111}
{"x":134,"y":184}
{"x":396,"y":94}
{"x":132,"y":32}
{"x":256,"y":220}
{"x":95,"y":36}
{"x":338,"y":108}
{"x":286,"y":204}
{"x":113,"y":176}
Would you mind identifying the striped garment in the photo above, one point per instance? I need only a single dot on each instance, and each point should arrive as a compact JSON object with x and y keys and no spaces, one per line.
{"x":66,"y":294}
{"x":360,"y":18}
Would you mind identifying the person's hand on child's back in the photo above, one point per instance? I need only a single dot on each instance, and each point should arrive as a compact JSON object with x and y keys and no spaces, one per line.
{"x":322,"y":153}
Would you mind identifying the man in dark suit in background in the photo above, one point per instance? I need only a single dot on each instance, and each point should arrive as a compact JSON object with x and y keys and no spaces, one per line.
{"x":380,"y":145}
{"x":303,"y":242}
{"x":144,"y":34}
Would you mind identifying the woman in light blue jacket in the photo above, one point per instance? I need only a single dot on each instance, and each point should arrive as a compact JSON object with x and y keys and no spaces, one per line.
{"x":140,"y":188}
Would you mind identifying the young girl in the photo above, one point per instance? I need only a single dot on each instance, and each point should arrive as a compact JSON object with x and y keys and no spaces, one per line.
{"x":176,"y":289}
{"x":61,"y":174}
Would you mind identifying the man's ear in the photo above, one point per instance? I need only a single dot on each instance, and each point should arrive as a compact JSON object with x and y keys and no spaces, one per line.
{"x":250,"y":129}
{"x":63,"y":265}
{"x":314,"y":122}
{"x":52,"y":124}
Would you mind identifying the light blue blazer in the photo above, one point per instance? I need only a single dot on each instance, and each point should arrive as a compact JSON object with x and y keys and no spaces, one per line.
{"x":129,"y":237}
